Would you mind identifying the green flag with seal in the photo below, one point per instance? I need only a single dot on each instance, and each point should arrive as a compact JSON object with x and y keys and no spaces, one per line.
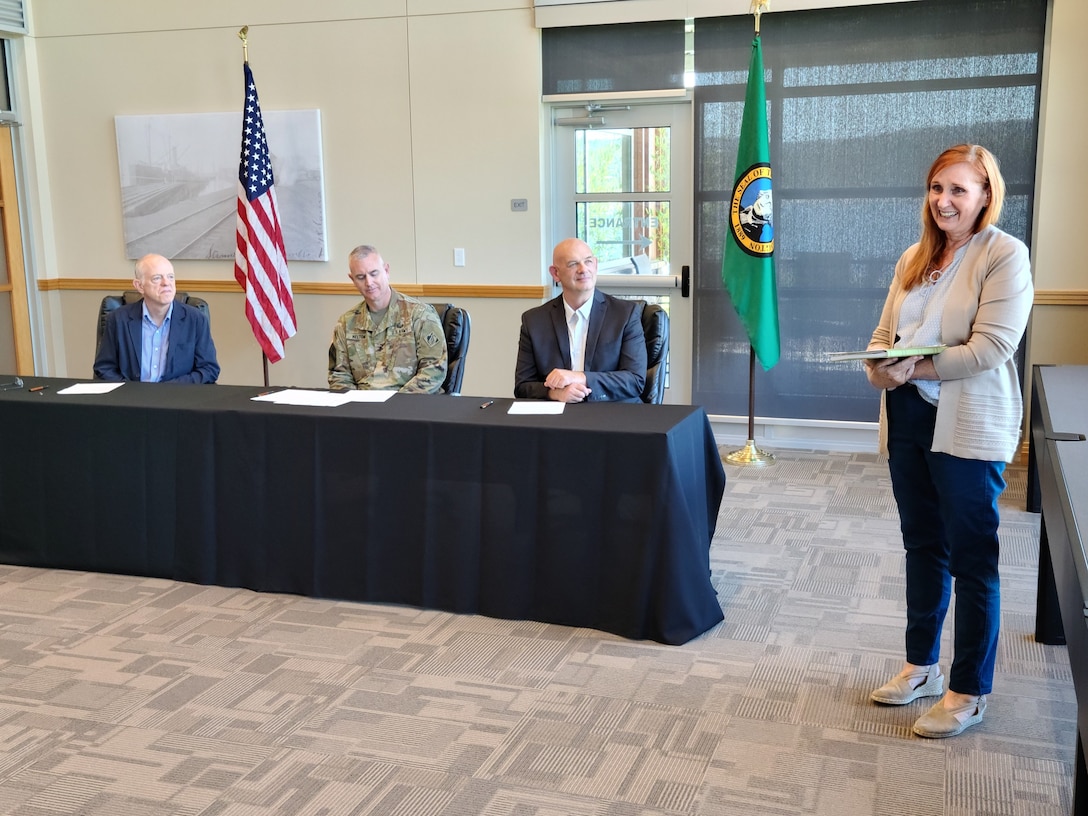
{"x":748,"y":253}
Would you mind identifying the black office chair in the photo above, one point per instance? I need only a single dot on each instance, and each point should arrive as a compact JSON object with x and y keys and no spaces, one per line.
{"x":655,"y":325}
{"x":111,"y":302}
{"x":457,"y":327}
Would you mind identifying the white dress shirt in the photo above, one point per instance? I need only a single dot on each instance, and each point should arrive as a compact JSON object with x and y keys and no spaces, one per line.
{"x":577,"y":329}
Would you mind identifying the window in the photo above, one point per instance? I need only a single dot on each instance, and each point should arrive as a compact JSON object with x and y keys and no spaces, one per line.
{"x":7,"y":115}
{"x":860,"y":102}
{"x":618,"y":171}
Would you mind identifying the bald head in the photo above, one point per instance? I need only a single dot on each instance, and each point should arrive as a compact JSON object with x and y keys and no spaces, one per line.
{"x":574,"y":267}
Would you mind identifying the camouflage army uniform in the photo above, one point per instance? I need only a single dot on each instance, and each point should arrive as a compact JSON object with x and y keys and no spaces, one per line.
{"x":405,"y":352}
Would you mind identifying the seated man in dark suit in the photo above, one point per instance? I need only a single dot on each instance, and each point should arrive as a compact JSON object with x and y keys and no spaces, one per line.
{"x":583,"y":345}
{"x":156,"y":339}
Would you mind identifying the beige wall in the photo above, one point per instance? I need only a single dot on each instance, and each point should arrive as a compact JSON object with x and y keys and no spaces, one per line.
{"x":431,"y":123}
{"x":430,"y":115}
{"x":1059,"y":323}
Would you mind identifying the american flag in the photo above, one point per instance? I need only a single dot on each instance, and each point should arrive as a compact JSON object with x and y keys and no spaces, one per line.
{"x":260,"y":261}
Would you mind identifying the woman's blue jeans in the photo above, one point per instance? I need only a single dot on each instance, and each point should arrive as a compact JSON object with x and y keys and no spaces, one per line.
{"x":949,"y":517}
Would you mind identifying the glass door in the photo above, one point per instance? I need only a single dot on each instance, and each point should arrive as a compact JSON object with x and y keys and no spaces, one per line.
{"x":622,"y":183}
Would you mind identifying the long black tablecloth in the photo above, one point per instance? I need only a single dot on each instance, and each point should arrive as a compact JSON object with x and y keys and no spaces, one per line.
{"x":600,"y":517}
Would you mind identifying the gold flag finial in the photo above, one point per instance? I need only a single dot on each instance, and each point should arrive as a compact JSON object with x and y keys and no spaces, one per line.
{"x":758,"y":7}
{"x":243,"y":35}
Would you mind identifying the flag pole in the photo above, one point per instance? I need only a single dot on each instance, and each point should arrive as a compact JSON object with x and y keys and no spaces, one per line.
{"x":750,"y":455}
{"x":243,"y":35}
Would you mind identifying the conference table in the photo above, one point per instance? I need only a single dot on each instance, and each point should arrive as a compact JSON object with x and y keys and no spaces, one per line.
{"x":599,"y":517}
{"x":1058,"y":464}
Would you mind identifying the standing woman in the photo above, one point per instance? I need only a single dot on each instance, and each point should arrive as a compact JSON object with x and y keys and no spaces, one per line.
{"x":949,"y":423}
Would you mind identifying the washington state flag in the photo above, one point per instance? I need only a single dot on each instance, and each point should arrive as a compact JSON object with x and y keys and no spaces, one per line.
{"x":748,"y":253}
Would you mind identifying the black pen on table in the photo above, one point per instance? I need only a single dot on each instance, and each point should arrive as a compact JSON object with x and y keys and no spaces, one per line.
{"x":486,"y":404}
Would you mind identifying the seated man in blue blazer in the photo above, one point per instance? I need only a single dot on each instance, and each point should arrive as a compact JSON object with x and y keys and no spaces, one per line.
{"x":583,"y":345}
{"x":156,"y":339}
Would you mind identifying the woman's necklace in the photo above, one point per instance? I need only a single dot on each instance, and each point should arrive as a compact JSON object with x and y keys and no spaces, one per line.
{"x":947,"y":258}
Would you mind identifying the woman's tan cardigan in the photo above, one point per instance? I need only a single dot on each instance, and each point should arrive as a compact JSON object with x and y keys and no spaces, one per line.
{"x":980,"y":410}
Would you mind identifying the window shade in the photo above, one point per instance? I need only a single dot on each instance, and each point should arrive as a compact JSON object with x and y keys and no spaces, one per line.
{"x":613,"y":58}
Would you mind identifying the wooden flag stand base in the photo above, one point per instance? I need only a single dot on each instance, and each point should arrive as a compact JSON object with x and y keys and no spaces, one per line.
{"x":751,"y":456}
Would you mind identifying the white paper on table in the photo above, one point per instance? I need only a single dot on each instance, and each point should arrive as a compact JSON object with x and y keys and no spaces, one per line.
{"x":90,"y":388}
{"x":301,"y":396}
{"x":536,"y":407}
{"x":368,"y":396}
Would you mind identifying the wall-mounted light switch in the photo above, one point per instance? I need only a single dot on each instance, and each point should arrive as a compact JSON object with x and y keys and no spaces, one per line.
{"x":459,"y":256}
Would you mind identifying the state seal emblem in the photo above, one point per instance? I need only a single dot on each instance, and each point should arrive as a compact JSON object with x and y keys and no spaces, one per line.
{"x":750,"y":216}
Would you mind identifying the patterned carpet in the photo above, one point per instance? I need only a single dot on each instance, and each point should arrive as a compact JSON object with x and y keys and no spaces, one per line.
{"x":125,"y":696}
